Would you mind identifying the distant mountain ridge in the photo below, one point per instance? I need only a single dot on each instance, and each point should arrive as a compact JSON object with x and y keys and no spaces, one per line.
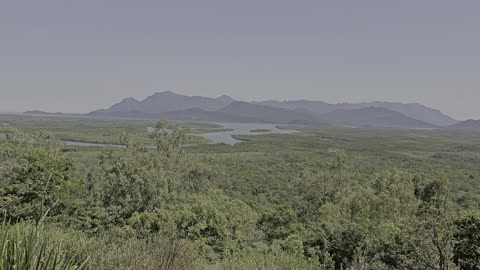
{"x":472,"y":125}
{"x":236,"y":111}
{"x":269,"y":114}
{"x":173,"y":106}
{"x":413,"y":110}
{"x":168,"y":101}
{"x":375,"y":117}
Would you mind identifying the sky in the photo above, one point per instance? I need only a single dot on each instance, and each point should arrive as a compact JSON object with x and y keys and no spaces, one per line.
{"x":78,"y":56}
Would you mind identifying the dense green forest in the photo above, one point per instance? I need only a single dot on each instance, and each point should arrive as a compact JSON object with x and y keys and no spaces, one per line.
{"x":325,"y":198}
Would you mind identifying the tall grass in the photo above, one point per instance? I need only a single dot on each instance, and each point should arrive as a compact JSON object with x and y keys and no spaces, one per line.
{"x":24,"y":247}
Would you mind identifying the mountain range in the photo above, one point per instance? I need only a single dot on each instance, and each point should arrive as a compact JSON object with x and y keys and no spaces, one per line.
{"x":167,"y":102}
{"x":375,"y":117}
{"x":412,"y":110}
{"x":171,"y":106}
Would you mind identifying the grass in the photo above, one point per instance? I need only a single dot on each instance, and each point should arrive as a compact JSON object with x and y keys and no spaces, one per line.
{"x":113,"y":251}
{"x":260,"y":130}
{"x":25,"y":247}
{"x":210,"y":130}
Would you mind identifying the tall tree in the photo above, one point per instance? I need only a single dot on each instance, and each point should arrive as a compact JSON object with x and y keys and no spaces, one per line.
{"x":34,"y":172}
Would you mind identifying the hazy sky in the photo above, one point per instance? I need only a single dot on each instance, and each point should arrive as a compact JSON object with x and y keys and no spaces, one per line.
{"x":76,"y":56}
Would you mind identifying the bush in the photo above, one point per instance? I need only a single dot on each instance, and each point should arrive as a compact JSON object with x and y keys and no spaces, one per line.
{"x":25,"y":247}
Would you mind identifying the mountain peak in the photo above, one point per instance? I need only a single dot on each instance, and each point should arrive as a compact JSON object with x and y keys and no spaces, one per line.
{"x":168,"y":101}
{"x":225,"y":98}
{"x":164,"y":93}
{"x":129,"y":99}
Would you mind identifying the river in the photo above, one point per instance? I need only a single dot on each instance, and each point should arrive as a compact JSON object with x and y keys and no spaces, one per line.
{"x":216,"y":137}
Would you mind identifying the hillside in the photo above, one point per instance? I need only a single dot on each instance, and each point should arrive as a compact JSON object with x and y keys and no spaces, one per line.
{"x":316,"y":107}
{"x":207,"y":116}
{"x":412,"y":110}
{"x":467,"y":125}
{"x":269,"y":114}
{"x":167,"y":101}
{"x":374,"y":117}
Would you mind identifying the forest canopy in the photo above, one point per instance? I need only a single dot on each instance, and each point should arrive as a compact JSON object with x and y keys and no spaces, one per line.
{"x":176,"y":207}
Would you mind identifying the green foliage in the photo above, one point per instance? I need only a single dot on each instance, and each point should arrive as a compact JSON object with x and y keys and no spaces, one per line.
{"x":267,"y":260}
{"x":26,"y":248}
{"x":136,"y":179}
{"x":467,"y":241}
{"x":320,"y":199}
{"x":169,"y":139}
{"x":260,"y":130}
{"x":279,"y":223}
{"x":217,"y":224}
{"x":97,"y":130}
{"x":34,"y":173}
{"x":429,"y":239}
